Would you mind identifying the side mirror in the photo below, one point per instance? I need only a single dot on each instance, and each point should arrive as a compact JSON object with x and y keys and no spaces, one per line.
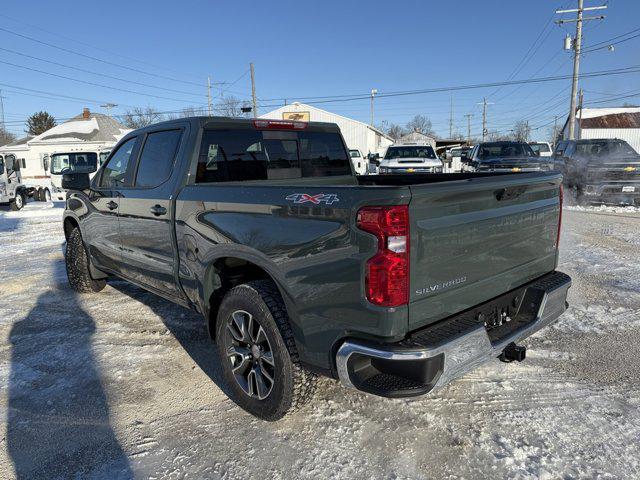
{"x":76,"y":181}
{"x":537,"y":154}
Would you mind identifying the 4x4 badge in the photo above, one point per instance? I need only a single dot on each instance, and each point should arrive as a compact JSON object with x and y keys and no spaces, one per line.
{"x":326,"y":198}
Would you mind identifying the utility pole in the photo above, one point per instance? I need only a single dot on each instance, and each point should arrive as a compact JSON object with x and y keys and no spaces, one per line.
{"x":253,"y":91}
{"x":373,"y":94}
{"x":580,"y":101}
{"x":209,"y":109}
{"x":451,"y":118}
{"x":469,"y":116}
{"x":484,"y":117}
{"x":555,"y":130}
{"x":577,"y":47}
{"x":2,"y":126}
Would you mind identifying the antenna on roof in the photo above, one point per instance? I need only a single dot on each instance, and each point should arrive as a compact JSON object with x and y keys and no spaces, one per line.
{"x":108,"y":107}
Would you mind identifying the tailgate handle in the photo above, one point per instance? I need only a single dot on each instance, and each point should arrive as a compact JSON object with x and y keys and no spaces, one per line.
{"x":509,"y":193}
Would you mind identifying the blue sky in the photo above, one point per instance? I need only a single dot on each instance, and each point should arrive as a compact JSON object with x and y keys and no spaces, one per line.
{"x":303,"y":49}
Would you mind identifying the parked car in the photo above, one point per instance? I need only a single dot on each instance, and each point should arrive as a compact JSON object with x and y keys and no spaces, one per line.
{"x":409,"y":158}
{"x":454,"y":158}
{"x":504,"y":156}
{"x":395,"y":285}
{"x":360,"y":163}
{"x":542,"y":149}
{"x":600,"y":170}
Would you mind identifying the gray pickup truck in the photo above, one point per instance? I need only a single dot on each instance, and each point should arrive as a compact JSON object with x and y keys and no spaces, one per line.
{"x":393,"y":284}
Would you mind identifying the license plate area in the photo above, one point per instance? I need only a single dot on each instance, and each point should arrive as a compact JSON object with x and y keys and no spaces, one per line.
{"x":628,"y":189}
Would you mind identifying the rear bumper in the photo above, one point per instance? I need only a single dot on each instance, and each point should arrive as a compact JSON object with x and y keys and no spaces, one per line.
{"x":433,"y":357}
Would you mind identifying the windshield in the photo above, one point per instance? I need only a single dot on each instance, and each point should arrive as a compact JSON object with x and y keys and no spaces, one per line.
{"x":604,"y":150}
{"x":410,"y":152}
{"x":81,"y":162}
{"x":539,"y":147}
{"x":354,"y":153}
{"x":503,"y":150}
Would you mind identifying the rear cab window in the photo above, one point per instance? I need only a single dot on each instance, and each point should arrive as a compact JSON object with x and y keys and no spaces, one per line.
{"x":236,"y":155}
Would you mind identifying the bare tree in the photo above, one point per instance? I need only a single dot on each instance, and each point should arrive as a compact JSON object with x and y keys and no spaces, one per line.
{"x":40,"y":122}
{"x":187,"y":112}
{"x":231,"y":106}
{"x":395,"y":131}
{"x":141,"y":117}
{"x":521,"y":131}
{"x":421,"y":124}
{"x":6,"y":136}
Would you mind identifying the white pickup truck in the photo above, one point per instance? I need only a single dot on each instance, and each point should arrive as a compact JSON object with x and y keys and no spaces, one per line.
{"x":410,"y":158}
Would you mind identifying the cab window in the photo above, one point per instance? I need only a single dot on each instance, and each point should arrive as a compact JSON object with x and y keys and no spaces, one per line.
{"x":115,"y":170}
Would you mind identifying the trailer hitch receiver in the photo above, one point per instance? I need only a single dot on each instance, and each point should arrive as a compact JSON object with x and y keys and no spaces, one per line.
{"x":513,"y":352}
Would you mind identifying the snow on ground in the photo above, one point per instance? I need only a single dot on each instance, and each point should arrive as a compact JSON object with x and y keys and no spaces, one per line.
{"x":605,"y":208}
{"x":124,"y":384}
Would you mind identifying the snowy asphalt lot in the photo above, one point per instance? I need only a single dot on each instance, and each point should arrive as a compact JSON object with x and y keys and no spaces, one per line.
{"x":124,"y":384}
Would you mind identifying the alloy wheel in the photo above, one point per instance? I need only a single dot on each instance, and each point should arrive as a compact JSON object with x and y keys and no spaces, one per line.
{"x":250,"y":354}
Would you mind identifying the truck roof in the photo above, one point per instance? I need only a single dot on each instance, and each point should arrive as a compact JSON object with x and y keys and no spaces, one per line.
{"x":214,"y":121}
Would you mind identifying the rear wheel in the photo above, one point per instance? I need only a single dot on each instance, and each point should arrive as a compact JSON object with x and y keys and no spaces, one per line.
{"x":46,"y":195}
{"x":38,"y":195}
{"x":257,"y":351}
{"x":77,"y":264}
{"x":19,"y":202}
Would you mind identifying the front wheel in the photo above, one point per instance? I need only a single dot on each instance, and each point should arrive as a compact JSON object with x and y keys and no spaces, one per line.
{"x":46,"y":195}
{"x":77,"y":263}
{"x":18,"y":202}
{"x":257,"y":351}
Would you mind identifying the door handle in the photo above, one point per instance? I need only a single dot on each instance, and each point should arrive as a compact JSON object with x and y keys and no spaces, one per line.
{"x":158,"y":210}
{"x":112,"y":205}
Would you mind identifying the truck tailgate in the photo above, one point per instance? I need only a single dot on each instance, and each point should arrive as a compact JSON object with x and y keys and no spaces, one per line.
{"x":474,"y":239}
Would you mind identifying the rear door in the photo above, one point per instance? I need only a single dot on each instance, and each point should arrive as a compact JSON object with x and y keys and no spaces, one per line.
{"x":146,"y":217}
{"x":475,"y":239}
{"x":101,"y":228}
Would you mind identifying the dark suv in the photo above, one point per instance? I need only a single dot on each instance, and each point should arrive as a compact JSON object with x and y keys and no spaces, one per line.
{"x":600,"y":170}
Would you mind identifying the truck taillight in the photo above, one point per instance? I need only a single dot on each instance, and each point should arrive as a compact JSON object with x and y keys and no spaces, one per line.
{"x":561,"y":200}
{"x":279,"y":125}
{"x":387,"y":272}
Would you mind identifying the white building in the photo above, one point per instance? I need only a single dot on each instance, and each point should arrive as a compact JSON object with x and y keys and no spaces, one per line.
{"x":356,"y":134}
{"x":87,"y":131}
{"x":418,"y":138}
{"x":618,"y":122}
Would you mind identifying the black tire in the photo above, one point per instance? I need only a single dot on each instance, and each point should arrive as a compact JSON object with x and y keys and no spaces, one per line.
{"x":77,"y":264}
{"x":38,"y":195}
{"x":292,"y":386}
{"x":19,"y":202}
{"x":46,"y":195}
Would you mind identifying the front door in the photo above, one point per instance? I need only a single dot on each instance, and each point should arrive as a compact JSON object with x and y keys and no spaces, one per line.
{"x":146,"y":217}
{"x":101,"y":229}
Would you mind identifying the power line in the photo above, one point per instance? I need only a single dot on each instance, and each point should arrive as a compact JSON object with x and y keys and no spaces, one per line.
{"x":610,"y":44}
{"x":98,"y":74}
{"x":607,"y":42}
{"x":93,"y":83}
{"x":354,"y":97}
{"x":73,"y":52}
{"x":75,"y":40}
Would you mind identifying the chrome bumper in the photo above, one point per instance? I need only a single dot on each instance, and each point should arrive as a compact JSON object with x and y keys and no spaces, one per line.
{"x":459,"y":354}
